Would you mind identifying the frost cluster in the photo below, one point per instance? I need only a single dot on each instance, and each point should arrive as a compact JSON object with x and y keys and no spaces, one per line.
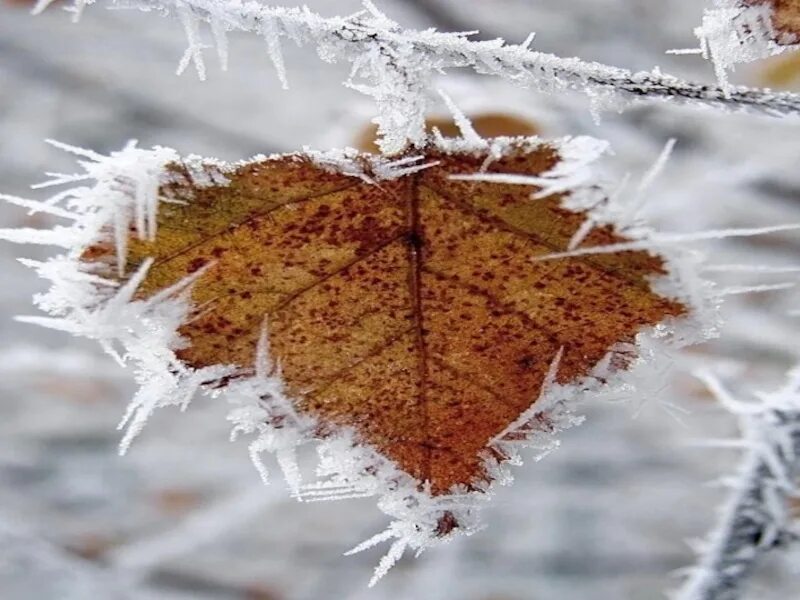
{"x":733,"y":33}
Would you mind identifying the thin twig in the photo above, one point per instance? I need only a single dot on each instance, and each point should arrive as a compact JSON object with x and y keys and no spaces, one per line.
{"x":756,"y":518}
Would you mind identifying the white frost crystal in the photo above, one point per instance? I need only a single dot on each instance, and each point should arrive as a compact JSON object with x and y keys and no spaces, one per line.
{"x":733,"y":34}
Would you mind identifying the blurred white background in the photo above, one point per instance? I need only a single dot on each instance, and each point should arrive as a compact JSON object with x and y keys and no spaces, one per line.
{"x":184,"y":515}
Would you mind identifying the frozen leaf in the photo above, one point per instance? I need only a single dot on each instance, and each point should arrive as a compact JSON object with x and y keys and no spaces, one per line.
{"x":419,"y":318}
{"x":411,"y":310}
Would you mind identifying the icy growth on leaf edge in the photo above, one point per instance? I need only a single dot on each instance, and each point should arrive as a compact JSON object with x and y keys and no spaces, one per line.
{"x":144,"y":333}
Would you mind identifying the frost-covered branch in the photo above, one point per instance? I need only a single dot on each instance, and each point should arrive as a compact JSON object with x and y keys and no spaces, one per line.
{"x":393,"y":65}
{"x":757,"y":516}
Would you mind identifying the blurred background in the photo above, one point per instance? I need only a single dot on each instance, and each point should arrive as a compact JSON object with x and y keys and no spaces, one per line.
{"x":184,"y":515}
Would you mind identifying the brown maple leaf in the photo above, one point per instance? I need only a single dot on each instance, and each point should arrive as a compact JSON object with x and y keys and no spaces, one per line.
{"x":412,"y":310}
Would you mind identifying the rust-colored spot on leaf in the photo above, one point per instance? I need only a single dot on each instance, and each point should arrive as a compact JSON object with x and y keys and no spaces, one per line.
{"x":411,"y":310}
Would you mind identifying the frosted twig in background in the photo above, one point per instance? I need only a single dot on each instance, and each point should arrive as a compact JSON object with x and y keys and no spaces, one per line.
{"x":62,"y":573}
{"x":757,"y":516}
{"x":202,"y":527}
{"x":393,"y":65}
